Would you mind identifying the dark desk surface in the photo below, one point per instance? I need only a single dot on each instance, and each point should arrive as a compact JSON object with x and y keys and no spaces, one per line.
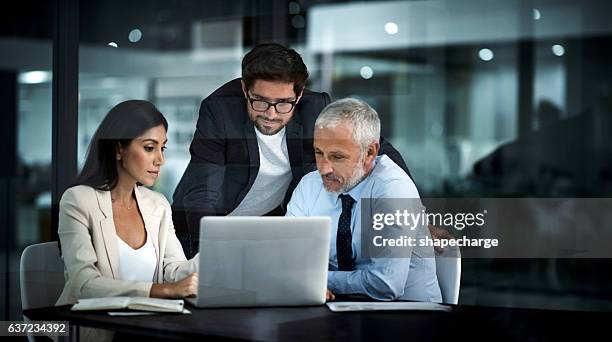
{"x":320,"y":324}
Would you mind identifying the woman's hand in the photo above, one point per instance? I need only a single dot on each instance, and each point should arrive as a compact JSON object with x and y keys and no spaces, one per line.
{"x":181,"y":289}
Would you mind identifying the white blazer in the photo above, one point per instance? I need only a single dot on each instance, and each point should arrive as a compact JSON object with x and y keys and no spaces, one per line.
{"x":89,"y":244}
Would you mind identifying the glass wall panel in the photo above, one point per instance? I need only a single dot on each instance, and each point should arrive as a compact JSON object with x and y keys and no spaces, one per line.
{"x":25,"y":180}
{"x":171,"y":53}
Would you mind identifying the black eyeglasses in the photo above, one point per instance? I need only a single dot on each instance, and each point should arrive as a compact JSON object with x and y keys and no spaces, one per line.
{"x":282,"y":107}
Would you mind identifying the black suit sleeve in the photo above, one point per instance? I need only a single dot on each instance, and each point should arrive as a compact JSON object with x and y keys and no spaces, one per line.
{"x":200,"y":188}
{"x":391,"y":152}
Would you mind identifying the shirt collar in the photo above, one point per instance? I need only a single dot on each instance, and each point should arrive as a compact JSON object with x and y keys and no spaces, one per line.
{"x":280,"y":133}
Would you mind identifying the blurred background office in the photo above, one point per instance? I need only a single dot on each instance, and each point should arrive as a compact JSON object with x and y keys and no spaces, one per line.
{"x":483,"y":98}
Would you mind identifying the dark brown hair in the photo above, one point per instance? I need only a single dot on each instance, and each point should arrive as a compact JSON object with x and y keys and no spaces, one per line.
{"x":274,"y":62}
{"x":123,"y":123}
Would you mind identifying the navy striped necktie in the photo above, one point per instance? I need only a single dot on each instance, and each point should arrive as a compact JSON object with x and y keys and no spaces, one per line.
{"x":344,"y":238}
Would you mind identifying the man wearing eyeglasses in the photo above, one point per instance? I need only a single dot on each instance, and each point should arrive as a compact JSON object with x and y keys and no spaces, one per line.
{"x":252,"y":144}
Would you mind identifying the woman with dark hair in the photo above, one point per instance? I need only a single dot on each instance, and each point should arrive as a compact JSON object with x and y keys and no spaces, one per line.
{"x":117,"y":237}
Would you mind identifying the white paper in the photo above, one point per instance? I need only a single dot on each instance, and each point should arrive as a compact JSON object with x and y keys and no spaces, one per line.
{"x":132,"y":313}
{"x":141,"y":313}
{"x":383,"y":306}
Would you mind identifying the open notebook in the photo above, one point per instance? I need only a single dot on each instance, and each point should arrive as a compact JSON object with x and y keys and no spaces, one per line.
{"x":132,"y":303}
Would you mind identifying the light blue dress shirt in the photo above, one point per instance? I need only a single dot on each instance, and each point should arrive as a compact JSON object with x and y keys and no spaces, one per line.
{"x":409,"y":278}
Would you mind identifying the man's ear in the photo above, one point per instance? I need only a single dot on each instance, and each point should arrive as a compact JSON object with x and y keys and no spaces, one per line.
{"x":372,"y":151}
{"x":299,"y":97}
{"x":375,"y":147}
{"x":244,"y":88}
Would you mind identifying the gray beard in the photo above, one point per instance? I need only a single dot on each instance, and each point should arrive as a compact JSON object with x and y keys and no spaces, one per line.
{"x":355,"y":178}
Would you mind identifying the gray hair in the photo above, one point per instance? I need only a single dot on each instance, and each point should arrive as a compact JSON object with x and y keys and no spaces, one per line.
{"x":363,"y":120}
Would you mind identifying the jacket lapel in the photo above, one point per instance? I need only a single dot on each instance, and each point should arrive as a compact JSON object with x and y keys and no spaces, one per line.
{"x":151,"y":217}
{"x":295,"y":145}
{"x":109,"y":234}
{"x":253,"y":148}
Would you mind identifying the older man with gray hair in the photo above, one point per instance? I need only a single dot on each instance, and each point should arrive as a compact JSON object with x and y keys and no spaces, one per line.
{"x":349,"y":171}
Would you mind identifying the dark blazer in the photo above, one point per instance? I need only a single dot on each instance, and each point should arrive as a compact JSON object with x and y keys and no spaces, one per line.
{"x":225,"y":158}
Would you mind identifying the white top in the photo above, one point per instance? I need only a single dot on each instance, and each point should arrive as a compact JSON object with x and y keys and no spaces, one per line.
{"x":273,"y":178}
{"x":137,"y":264}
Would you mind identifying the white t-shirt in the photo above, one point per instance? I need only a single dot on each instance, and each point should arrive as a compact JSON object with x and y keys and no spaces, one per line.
{"x":137,"y":264}
{"x":273,"y":178}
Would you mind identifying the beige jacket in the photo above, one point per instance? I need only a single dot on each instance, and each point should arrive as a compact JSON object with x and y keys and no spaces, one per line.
{"x":89,"y":244}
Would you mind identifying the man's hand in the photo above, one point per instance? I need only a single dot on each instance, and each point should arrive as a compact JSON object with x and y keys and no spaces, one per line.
{"x":329,"y":295}
{"x":438,"y":233}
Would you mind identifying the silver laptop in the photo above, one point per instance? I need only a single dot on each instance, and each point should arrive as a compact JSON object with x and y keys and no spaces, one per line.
{"x":262,"y":261}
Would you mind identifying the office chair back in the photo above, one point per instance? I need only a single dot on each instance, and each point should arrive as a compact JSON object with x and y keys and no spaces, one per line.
{"x":448,"y":270}
{"x":41,"y":275}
